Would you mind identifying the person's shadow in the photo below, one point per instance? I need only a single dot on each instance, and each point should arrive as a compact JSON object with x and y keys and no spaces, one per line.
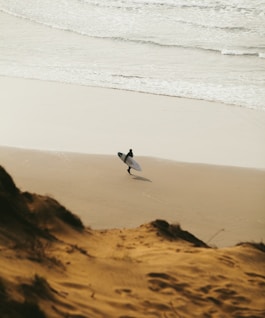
{"x":140,"y":178}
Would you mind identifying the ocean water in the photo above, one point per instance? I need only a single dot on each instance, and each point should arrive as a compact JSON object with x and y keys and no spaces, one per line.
{"x":203,"y":49}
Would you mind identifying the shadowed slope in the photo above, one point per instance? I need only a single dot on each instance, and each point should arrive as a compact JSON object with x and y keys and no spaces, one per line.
{"x":51,"y":266}
{"x":29,"y":215}
{"x":28,"y":225}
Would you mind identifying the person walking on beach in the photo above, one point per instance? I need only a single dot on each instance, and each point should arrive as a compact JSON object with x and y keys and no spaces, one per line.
{"x":129,"y":154}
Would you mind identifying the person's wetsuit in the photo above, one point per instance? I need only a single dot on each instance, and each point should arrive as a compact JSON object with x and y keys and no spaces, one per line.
{"x":129,"y":154}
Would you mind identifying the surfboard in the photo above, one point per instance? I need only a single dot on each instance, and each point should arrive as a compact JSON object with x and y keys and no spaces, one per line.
{"x":130,"y":161}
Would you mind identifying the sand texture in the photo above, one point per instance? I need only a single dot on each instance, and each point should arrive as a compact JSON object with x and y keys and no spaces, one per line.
{"x":54,"y":266}
{"x":221,"y":205}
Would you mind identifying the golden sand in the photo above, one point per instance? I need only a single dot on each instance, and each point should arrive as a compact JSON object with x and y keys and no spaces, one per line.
{"x":53,"y":266}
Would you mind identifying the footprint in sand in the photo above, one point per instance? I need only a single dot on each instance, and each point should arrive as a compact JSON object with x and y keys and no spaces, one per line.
{"x":123,"y":291}
{"x":227,"y":261}
{"x":256,"y":279}
{"x":164,"y":283}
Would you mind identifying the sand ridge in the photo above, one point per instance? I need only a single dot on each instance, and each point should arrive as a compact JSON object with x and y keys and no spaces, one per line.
{"x":62,"y":269}
{"x":221,"y":205}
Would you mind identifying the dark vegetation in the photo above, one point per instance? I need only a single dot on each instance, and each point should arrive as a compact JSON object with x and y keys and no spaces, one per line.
{"x":7,"y":184}
{"x":175,"y":232}
{"x":10,"y":308}
{"x":30,"y":216}
{"x":38,"y":288}
{"x":29,"y":224}
{"x":259,"y":246}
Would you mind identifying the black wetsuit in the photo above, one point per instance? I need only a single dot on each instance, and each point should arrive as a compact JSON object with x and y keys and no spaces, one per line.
{"x":129,"y":154}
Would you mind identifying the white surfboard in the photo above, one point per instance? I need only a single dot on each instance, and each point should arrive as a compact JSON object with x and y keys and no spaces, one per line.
{"x":130,"y":161}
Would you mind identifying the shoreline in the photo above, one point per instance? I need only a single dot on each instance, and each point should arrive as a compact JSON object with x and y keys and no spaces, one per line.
{"x":73,"y":118}
{"x":252,"y":108}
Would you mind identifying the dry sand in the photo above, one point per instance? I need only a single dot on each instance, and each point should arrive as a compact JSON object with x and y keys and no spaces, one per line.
{"x":53,"y":267}
{"x":204,"y":199}
{"x":121,"y":265}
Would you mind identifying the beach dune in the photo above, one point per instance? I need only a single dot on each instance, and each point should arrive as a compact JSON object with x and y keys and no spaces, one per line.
{"x":80,"y":237}
{"x":54,"y":266}
{"x":221,"y":205}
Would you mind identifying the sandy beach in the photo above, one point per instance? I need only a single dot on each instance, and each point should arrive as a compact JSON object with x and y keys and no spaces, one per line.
{"x":54,"y":266}
{"x":203,"y":163}
{"x":182,"y":84}
{"x":205,"y":199}
{"x":80,"y":237}
{"x":66,"y":117}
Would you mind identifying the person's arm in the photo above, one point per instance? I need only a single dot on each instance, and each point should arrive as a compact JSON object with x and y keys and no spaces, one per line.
{"x":125,"y":159}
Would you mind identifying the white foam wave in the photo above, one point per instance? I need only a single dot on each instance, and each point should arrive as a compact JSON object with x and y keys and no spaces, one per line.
{"x":163,"y":42}
{"x":236,"y":95}
{"x":231,"y":5}
{"x":111,"y":20}
{"x":131,"y":27}
{"x":239,"y":52}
